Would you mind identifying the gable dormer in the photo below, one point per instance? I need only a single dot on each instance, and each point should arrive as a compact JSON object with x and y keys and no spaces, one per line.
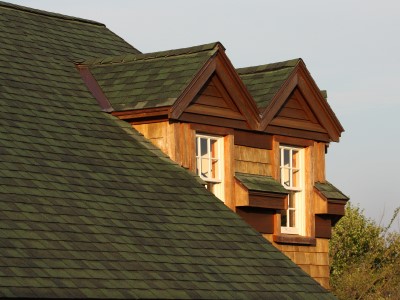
{"x":290,"y":103}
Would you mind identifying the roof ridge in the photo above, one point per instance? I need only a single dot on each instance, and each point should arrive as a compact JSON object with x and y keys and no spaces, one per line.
{"x":151,"y":55}
{"x":269,"y":67}
{"x":47,"y":14}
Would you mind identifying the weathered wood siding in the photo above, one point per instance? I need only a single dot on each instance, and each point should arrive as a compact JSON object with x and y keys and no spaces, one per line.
{"x":214,"y":106}
{"x":252,"y":160}
{"x":156,"y":133}
{"x":314,"y":260}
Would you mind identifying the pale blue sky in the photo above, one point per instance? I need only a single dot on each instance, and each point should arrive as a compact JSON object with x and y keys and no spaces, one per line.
{"x":350,"y":47}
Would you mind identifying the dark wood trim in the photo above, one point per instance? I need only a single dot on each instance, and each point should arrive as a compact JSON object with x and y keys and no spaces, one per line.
{"x":212,"y":120}
{"x":297,"y":124}
{"x":253,"y":139}
{"x":268,"y":200}
{"x":260,"y":219}
{"x":279,"y":99}
{"x":316,"y":136}
{"x":193,"y":88}
{"x":211,"y":129}
{"x":94,"y":88}
{"x":335,"y":208}
{"x":293,"y":141}
{"x":323,"y":227}
{"x":294,"y":239}
{"x":142,"y":113}
{"x":155,"y":119}
{"x":237,"y":90}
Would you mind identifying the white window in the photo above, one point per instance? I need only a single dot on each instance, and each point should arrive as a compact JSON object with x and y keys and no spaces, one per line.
{"x":292,"y":178}
{"x":209,"y":162}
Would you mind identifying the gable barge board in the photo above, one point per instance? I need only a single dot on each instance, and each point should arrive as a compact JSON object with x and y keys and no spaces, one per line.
{"x":94,"y":88}
{"x":211,"y":120}
{"x":161,"y":112}
{"x":317,"y":136}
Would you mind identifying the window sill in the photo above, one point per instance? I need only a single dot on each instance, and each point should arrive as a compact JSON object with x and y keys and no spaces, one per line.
{"x":294,"y":239}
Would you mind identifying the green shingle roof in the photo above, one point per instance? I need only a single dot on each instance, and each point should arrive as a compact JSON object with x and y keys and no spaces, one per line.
{"x":149,"y":80}
{"x":260,"y":183}
{"x":89,"y":208}
{"x":263,"y":82}
{"x":330,"y":191}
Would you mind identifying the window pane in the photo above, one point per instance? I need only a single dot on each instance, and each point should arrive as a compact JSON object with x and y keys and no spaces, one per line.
{"x":286,"y":158}
{"x":215,"y":168}
{"x":203,"y":147}
{"x":198,"y":166}
{"x":296,"y":178}
{"x":214,"y":148}
{"x":284,"y":218}
{"x":295,"y":159}
{"x":285,"y":175}
{"x":291,"y":200}
{"x":205,"y":172}
{"x":292,"y":218}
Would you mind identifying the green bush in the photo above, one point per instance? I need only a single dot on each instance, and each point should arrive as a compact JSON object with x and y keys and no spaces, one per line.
{"x":365,"y":258}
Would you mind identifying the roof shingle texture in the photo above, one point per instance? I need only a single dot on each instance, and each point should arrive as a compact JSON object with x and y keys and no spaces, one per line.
{"x":149,"y":80}
{"x":261,"y":183}
{"x":263,"y":82}
{"x":89,"y":208}
{"x":330,"y":191}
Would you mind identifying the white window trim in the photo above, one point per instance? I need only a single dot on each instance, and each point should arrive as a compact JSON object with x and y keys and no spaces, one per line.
{"x":219,"y":192}
{"x":299,"y":227}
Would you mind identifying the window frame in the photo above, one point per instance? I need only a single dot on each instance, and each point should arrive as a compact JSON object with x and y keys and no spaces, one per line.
{"x":296,"y":191}
{"x":216,"y":183}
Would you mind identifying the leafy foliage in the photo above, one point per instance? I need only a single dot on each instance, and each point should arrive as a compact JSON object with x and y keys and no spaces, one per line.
{"x":365,"y":258}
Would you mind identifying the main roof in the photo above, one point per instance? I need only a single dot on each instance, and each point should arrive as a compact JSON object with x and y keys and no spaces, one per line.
{"x":89,"y":208}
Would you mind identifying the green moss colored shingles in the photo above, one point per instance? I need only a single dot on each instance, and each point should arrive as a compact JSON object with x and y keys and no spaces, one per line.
{"x":330,"y":191}
{"x":88,"y":207}
{"x":260,"y":183}
{"x":149,"y":80}
{"x":263,"y":82}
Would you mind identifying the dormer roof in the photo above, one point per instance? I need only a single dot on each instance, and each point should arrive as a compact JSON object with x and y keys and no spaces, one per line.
{"x":290,"y":102}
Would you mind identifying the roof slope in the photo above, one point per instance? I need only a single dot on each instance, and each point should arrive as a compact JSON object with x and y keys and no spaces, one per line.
{"x":89,"y":208}
{"x":264,"y":81}
{"x":149,"y":80}
{"x":261,"y":183}
{"x":330,"y":191}
{"x":49,"y":34}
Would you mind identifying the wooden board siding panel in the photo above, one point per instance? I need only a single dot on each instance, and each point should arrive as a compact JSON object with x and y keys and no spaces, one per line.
{"x":260,"y":219}
{"x":252,"y":160}
{"x":156,"y":133}
{"x":299,"y":133}
{"x":214,"y":100}
{"x":229,"y":172}
{"x":323,"y":227}
{"x":319,"y":162}
{"x":309,"y":191}
{"x":185,"y":146}
{"x":214,"y":120}
{"x":253,"y":139}
{"x":314,"y":260}
{"x":241,"y":194}
{"x":320,"y":204}
{"x":268,"y":200}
